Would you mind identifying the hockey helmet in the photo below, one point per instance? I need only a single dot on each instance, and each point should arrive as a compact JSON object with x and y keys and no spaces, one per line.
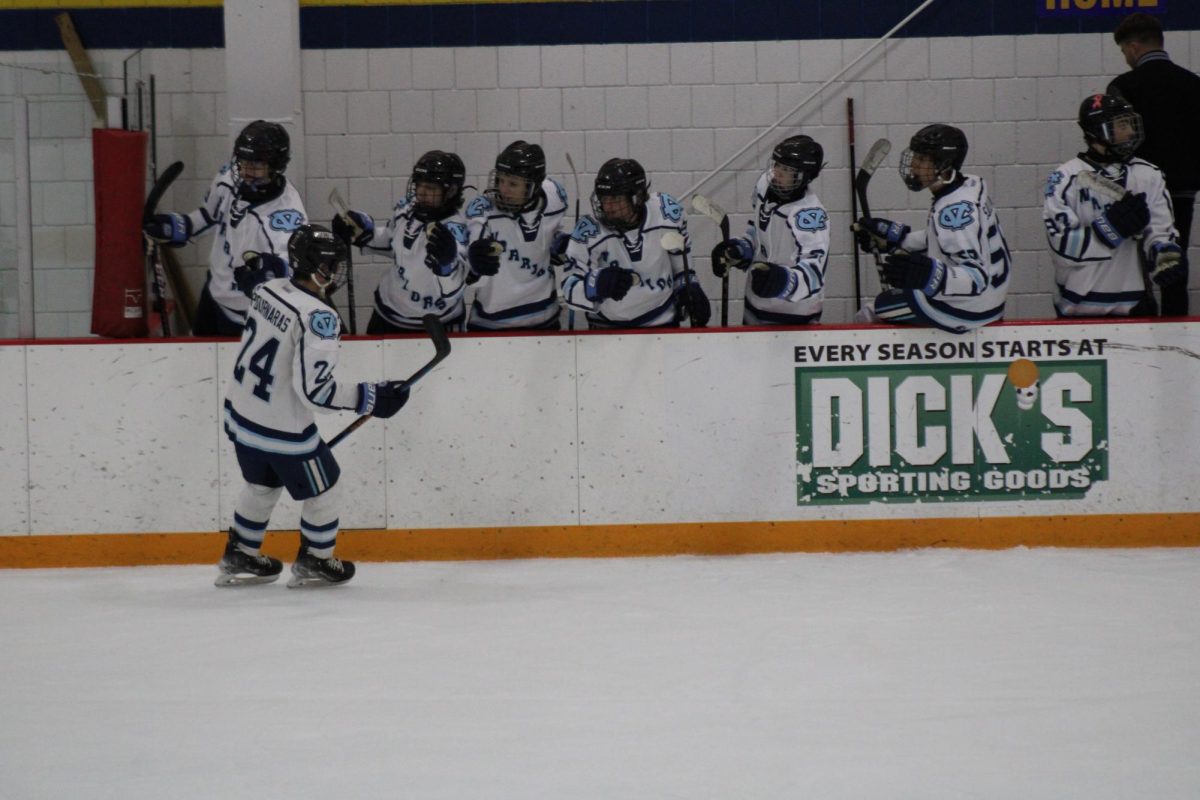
{"x":265,"y":143}
{"x":1109,"y":121}
{"x":795,"y":162}
{"x":316,"y":254}
{"x":944,"y":145}
{"x":441,"y":169}
{"x":522,"y":160}
{"x":621,"y":177}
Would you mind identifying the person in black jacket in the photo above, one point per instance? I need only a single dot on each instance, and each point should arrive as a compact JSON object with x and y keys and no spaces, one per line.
{"x":1168,"y":98}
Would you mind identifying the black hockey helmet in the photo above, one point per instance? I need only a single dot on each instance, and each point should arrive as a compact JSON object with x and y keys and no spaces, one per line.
{"x":802,"y":157}
{"x":315,"y":253}
{"x":945,"y":145}
{"x":1109,"y":121}
{"x":265,"y":143}
{"x":439,"y":168}
{"x":520,"y":159}
{"x":621,"y":177}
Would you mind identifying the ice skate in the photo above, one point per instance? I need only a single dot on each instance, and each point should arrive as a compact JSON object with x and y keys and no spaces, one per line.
{"x":311,"y":570}
{"x":238,"y":568}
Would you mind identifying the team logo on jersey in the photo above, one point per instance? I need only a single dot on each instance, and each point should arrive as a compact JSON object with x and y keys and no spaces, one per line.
{"x":811,"y":219}
{"x":956,"y":216}
{"x":585,"y":229}
{"x":287,"y":220}
{"x":324,"y":323}
{"x":1052,"y":183}
{"x":478,"y":207}
{"x":458,"y":231}
{"x":670,"y":208}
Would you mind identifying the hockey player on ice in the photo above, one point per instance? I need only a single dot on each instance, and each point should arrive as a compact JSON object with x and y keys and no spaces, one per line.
{"x":283,"y":373}
{"x":427,"y":237}
{"x":618,"y":270}
{"x":786,"y":245}
{"x":254,"y":209}
{"x":953,"y":274}
{"x":1098,"y":243}
{"x":516,"y":237}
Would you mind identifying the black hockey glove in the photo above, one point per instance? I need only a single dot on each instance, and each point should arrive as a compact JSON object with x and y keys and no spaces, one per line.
{"x":610,"y":283}
{"x":440,"y":249}
{"x":173,"y":228}
{"x":914,"y":271}
{"x":259,"y":268}
{"x":382,"y":400}
{"x":1127,"y":217}
{"x":558,"y":249}
{"x":695,"y":301}
{"x":358,"y":234}
{"x":771,"y":280}
{"x":484,"y":256}
{"x":731,"y":254}
{"x":876,"y":235}
{"x":1166,"y":264}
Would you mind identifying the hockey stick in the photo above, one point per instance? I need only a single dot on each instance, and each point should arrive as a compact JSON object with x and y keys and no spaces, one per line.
{"x":339,"y":205}
{"x":854,"y":201}
{"x":875,"y":157}
{"x":153,"y":253}
{"x":575,"y":179}
{"x":673,"y":242}
{"x":708,"y":208}
{"x":441,"y":345}
{"x":1112,"y":191}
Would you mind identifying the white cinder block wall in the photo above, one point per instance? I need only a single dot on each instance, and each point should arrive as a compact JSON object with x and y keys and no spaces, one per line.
{"x":680,"y":109}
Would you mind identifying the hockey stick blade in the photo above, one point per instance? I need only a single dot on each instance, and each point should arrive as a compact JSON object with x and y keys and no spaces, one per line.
{"x":343,"y":211}
{"x":702,"y":205}
{"x":441,"y":345}
{"x":1101,"y":184}
{"x":161,"y":185}
{"x":875,"y":157}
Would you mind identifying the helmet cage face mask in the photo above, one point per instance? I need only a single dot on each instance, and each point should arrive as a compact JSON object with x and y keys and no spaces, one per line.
{"x":316,"y":254}
{"x":945,"y":148}
{"x":637,"y":204}
{"x":794,"y":163}
{"x":785,"y":182}
{"x":621,"y":177}
{"x":1121,"y":134}
{"x":265,"y":143}
{"x":441,"y":169}
{"x":528,"y":195}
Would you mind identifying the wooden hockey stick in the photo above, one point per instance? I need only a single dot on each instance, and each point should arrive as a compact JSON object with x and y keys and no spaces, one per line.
{"x":339,"y":205}
{"x":673,"y":242}
{"x":441,"y":345}
{"x":875,"y":157}
{"x":708,"y":208}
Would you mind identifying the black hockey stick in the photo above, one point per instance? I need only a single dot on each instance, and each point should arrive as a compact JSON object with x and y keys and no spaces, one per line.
{"x":875,"y":157}
{"x":153,"y":253}
{"x":854,"y":201}
{"x":717,"y":214}
{"x":339,"y":205}
{"x":441,"y":345}
{"x":575,"y":178}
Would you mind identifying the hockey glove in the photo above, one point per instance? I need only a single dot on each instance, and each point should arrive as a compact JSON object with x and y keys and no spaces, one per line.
{"x":1167,"y":267}
{"x":358,"y":234}
{"x":484,"y":256}
{"x":875,"y":235}
{"x":695,"y":301}
{"x":731,"y":254}
{"x":440,"y":249}
{"x":173,"y":228}
{"x":610,"y":283}
{"x":771,"y":280}
{"x":259,"y":268}
{"x":382,"y":400}
{"x":914,"y":271}
{"x":1127,"y":217}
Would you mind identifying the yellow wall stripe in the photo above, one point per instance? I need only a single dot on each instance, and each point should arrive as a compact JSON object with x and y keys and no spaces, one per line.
{"x":604,"y":541}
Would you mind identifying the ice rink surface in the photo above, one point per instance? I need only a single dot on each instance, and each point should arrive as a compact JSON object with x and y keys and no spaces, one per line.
{"x":925,"y":674}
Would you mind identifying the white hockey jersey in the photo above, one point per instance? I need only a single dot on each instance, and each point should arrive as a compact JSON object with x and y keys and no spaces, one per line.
{"x":1094,"y":279}
{"x":410,"y":290}
{"x":964,"y":233}
{"x":523,"y":293}
{"x":240,"y":227}
{"x":659,"y":275}
{"x":285,"y":370}
{"x":794,"y":235}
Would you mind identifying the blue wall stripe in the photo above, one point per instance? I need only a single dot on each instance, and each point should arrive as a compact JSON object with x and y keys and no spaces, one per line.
{"x":617,"y":21}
